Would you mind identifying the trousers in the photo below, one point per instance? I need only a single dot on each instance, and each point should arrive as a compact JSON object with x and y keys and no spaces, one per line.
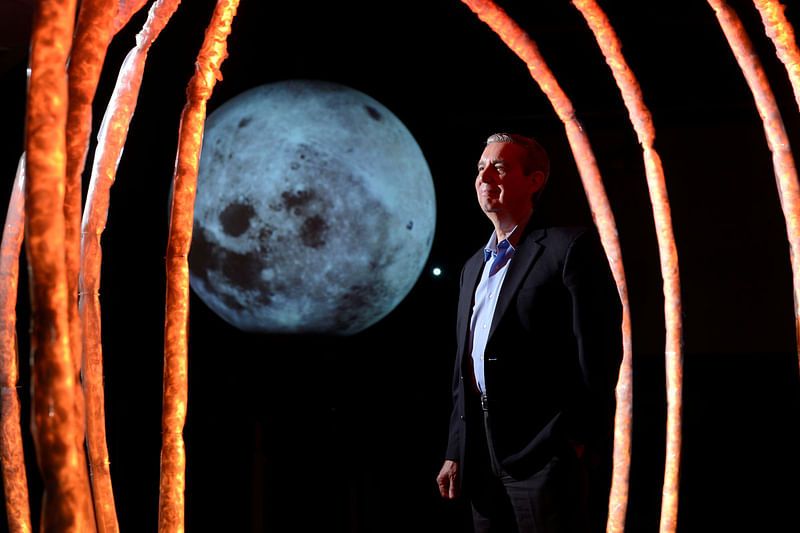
{"x":551,"y":500}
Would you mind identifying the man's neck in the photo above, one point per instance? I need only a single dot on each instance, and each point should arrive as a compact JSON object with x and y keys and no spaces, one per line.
{"x":504,"y":227}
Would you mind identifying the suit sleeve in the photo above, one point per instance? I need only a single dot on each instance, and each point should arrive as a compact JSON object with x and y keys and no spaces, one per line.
{"x":597,"y":326}
{"x":456,"y":429}
{"x":455,"y":434}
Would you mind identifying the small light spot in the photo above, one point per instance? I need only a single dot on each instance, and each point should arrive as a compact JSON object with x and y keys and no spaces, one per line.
{"x":436,"y":271}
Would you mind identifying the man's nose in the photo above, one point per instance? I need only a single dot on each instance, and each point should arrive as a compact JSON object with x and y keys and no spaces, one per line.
{"x":486,"y":175}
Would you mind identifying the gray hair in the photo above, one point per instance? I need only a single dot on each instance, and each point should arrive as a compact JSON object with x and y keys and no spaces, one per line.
{"x":535,"y":157}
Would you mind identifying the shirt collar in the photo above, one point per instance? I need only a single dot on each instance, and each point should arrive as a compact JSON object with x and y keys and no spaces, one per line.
{"x":492,"y":246}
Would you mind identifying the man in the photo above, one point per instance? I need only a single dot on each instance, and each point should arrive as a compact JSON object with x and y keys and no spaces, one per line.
{"x":539,"y":348}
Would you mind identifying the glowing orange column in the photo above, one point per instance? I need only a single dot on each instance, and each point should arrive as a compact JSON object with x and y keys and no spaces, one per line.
{"x":55,"y":427}
{"x":782,"y":34}
{"x":91,"y":40}
{"x":522,"y":45}
{"x":173,"y":457}
{"x":643,"y":125}
{"x":15,"y":480}
{"x":111,"y":140}
{"x":777,"y":139}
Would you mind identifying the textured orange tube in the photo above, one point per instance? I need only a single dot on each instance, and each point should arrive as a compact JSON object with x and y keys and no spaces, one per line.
{"x":522,"y":45}
{"x":92,"y":37}
{"x":15,"y":480}
{"x":111,"y":140}
{"x":782,"y":34}
{"x":55,"y":427}
{"x":643,"y":125}
{"x":777,"y":139}
{"x":173,"y":457}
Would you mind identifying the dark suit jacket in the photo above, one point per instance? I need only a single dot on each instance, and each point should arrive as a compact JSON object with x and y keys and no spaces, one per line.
{"x":553,"y":353}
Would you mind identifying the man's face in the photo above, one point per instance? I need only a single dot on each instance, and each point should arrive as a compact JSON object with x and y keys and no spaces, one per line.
{"x":502,"y":186}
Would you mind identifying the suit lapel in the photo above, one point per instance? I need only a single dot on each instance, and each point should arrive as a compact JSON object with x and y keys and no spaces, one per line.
{"x":526,"y":253}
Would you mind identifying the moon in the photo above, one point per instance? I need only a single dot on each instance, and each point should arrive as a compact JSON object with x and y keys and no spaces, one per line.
{"x":315,"y":210}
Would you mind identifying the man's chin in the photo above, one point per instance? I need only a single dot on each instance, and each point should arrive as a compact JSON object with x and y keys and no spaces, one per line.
{"x":491,"y":206}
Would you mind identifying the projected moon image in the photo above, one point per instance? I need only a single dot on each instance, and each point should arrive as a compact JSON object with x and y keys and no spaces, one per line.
{"x":315,"y":210}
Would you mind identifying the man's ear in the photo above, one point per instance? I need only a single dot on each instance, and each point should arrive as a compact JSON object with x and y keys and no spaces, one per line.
{"x":537,"y":180}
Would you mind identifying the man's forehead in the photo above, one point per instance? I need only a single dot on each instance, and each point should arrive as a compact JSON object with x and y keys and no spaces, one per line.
{"x":497,"y":152}
{"x":491,"y":160}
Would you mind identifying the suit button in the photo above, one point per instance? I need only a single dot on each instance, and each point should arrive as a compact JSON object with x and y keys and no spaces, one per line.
{"x":462,"y":417}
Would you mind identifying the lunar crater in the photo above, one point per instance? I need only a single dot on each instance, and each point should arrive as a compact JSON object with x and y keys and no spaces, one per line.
{"x":297,"y":199}
{"x":203,"y":255}
{"x":264,"y":235}
{"x":313,"y":231}
{"x":235,"y":218}
{"x":232,"y":302}
{"x":240,"y":269}
{"x":372,"y":112}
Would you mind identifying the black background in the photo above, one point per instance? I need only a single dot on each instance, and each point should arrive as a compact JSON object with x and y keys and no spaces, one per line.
{"x":347,"y":433}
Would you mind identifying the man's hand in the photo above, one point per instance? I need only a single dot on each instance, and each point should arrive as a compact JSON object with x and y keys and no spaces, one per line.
{"x":448,"y":480}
